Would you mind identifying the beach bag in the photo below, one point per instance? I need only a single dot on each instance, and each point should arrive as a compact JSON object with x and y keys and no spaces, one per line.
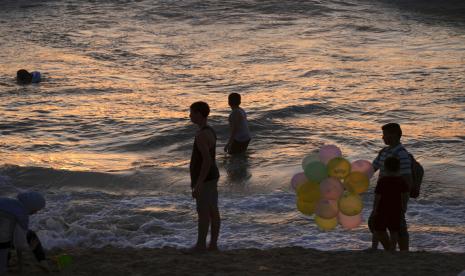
{"x":417,"y":176}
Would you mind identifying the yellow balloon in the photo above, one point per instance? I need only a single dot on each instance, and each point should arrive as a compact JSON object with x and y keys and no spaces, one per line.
{"x":350,"y":204}
{"x":338,"y":167}
{"x":309,"y":191}
{"x":306,"y":208}
{"x":357,"y":182}
{"x":326,"y":224}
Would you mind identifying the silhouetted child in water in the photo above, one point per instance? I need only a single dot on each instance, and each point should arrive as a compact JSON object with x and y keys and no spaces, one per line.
{"x":24,"y":77}
{"x":391,"y":197}
{"x":239,"y":136}
{"x":204,"y":178}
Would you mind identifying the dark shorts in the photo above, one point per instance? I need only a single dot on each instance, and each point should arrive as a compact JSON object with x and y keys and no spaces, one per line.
{"x":394,"y":224}
{"x":208,"y":199}
{"x":238,"y":147}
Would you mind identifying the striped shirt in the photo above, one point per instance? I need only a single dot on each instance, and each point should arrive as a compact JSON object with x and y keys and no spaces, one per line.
{"x":400,"y":152}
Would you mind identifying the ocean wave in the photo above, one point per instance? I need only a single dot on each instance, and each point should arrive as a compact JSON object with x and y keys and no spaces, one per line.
{"x":250,"y":221}
{"x":49,"y":179}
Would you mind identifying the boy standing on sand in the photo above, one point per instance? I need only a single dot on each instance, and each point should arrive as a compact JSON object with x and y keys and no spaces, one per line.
{"x":204,"y":178}
{"x":391,"y":197}
{"x":391,"y":137}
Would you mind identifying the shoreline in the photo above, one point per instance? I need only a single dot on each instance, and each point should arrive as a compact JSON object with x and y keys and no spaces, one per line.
{"x":276,"y":261}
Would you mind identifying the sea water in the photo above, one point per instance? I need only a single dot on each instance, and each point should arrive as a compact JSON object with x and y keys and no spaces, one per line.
{"x":107,"y":138}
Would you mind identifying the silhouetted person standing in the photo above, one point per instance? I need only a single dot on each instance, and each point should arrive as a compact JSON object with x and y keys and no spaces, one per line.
{"x":391,"y":197}
{"x":391,"y":137}
{"x":204,"y":178}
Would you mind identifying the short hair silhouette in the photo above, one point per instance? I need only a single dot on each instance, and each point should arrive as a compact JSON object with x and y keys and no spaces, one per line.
{"x":234,"y":99}
{"x":393,"y":128}
{"x":392,"y":164}
{"x":201,"y":107}
{"x":23,"y":76}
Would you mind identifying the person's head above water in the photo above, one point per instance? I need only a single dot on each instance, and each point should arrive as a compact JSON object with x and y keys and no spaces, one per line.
{"x":32,"y":201}
{"x":23,"y":77}
{"x":234,"y":99}
{"x":391,"y":133}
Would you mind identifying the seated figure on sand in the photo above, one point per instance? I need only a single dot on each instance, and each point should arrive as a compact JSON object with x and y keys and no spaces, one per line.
{"x":14,"y":228}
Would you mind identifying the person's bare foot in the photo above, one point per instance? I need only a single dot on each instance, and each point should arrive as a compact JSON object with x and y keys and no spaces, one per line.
{"x":213,"y":248}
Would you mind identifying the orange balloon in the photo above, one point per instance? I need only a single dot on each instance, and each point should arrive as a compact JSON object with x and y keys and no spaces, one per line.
{"x":357,"y":182}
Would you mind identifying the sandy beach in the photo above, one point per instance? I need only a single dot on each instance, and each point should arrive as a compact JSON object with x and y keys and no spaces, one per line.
{"x":277,"y":261}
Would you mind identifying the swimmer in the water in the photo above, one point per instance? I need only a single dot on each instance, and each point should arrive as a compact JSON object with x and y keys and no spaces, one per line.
{"x":24,"y":77}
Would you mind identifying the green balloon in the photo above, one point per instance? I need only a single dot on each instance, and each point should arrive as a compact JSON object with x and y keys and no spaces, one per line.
{"x":64,"y":260}
{"x":310,"y":158}
{"x":316,"y":171}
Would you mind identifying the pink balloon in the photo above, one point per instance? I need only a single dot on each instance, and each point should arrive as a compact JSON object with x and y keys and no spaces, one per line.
{"x":298,"y":179}
{"x":364,"y":167}
{"x":331,"y":188}
{"x":326,"y":209}
{"x":328,"y":152}
{"x":349,"y":222}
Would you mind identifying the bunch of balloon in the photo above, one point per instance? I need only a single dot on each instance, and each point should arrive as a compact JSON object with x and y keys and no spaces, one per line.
{"x":330,"y":186}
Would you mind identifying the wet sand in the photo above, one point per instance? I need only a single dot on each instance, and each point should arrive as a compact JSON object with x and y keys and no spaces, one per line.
{"x":277,"y":261}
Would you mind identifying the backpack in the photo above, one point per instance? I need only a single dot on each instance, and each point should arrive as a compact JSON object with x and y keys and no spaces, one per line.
{"x":417,"y":172}
{"x":417,"y":176}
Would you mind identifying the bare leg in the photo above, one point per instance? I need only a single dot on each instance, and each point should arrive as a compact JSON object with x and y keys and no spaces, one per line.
{"x":394,"y":239}
{"x":374,"y":238}
{"x":374,"y":242}
{"x":403,"y":243}
{"x":203,"y":224}
{"x":215,"y":228}
{"x":384,"y":239}
{"x":403,"y":235}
